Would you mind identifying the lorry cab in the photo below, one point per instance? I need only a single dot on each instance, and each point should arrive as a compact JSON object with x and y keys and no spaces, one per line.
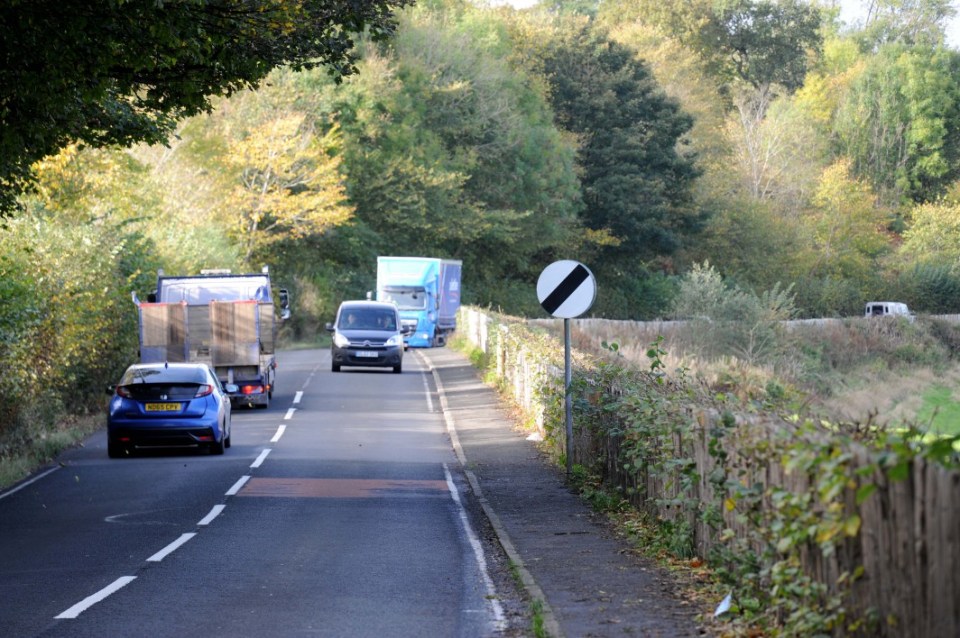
{"x":426,"y":291}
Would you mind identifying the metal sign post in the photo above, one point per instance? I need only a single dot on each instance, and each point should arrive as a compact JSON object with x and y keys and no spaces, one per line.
{"x":567,"y":289}
{"x":567,"y":395}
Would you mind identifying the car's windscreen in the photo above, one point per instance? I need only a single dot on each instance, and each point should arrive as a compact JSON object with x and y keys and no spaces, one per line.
{"x":368,"y":319}
{"x":405,"y":298}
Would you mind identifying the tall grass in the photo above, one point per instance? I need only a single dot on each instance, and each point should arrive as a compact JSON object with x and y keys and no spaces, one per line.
{"x":850,"y":369}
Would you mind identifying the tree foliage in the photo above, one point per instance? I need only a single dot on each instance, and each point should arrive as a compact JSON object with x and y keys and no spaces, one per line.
{"x":451,"y":151}
{"x":906,"y":22}
{"x":849,"y":232}
{"x":729,"y":319}
{"x":125,"y":71}
{"x":934,"y":235}
{"x":759,"y":42}
{"x":900,"y":122}
{"x":635,"y":179}
{"x":288,"y":183}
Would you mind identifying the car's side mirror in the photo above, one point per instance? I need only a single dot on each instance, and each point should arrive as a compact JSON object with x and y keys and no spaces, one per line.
{"x":329,"y":327}
{"x":231,"y":388}
{"x":407,"y":330}
{"x":111,"y":389}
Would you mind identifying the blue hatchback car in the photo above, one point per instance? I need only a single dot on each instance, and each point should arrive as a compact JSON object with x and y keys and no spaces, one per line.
{"x":168,"y":405}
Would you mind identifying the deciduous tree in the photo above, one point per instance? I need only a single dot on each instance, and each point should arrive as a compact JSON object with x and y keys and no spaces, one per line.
{"x":289,"y":184}
{"x":124,"y":71}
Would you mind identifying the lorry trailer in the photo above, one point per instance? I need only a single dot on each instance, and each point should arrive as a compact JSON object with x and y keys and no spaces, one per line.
{"x":225,"y":320}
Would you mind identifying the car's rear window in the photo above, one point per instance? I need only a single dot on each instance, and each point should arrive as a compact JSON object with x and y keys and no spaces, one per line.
{"x":162,"y":391}
{"x":171,"y":375}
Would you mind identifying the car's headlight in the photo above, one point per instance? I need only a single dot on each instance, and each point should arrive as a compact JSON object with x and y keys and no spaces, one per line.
{"x":340,"y":341}
{"x":395,"y":340}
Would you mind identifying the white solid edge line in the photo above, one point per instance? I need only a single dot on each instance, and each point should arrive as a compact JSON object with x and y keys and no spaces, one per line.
{"x":166,"y":551}
{"x":236,"y":486}
{"x":33,"y":480}
{"x":426,"y":391}
{"x":276,"y":437}
{"x":90,"y":601}
{"x":551,"y":624}
{"x":297,"y":397}
{"x":260,"y":459}
{"x":499,"y":617}
{"x":215,"y":512}
{"x":289,"y":414}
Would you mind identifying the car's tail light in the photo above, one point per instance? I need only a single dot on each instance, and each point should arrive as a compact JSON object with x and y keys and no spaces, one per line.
{"x":203,"y":391}
{"x":123,"y":391}
{"x":251,"y":389}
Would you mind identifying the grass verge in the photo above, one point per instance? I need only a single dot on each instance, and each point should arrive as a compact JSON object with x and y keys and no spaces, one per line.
{"x":44,"y":445}
{"x":941,"y":410}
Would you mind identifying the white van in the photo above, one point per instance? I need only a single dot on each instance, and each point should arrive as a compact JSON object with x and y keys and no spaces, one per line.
{"x":885,"y":308}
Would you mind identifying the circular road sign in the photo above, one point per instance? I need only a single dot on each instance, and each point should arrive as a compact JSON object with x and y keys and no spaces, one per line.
{"x":566,"y":289}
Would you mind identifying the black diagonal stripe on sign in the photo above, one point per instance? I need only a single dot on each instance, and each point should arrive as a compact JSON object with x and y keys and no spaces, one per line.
{"x":566,"y":288}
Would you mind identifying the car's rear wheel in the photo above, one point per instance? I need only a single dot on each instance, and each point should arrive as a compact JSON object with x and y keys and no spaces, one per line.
{"x":217,"y":447}
{"x":115,"y":450}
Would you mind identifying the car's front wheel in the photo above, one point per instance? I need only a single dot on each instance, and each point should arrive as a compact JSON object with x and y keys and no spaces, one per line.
{"x":397,"y":369}
{"x":335,"y":367}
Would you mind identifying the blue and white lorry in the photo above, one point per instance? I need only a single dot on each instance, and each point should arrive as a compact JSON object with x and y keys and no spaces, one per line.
{"x":426,"y":291}
{"x":225,"y":320}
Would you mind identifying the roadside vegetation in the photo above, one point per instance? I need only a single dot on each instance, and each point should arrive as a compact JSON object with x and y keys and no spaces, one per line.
{"x":735,"y":178}
{"x":743,"y":482}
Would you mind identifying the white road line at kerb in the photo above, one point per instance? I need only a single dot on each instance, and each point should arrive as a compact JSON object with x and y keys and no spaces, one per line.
{"x":33,"y":480}
{"x":215,"y":512}
{"x":499,"y":618}
{"x":280,"y":431}
{"x":236,"y":486}
{"x":289,"y":414}
{"x":90,"y":601}
{"x":260,"y":459}
{"x":169,"y":549}
{"x":297,"y":397}
{"x":426,"y":390}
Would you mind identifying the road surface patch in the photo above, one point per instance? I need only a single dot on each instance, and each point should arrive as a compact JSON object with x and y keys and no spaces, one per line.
{"x":342,"y":488}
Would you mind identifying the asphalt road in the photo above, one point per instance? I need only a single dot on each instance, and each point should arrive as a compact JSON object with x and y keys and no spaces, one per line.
{"x":339,"y":511}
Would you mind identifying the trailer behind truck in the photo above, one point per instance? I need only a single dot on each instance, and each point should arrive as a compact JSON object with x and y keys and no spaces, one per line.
{"x":227,"y":321}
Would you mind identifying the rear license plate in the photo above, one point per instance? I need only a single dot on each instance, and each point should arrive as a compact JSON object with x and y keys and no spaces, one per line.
{"x":161,"y":407}
{"x":367,"y":354}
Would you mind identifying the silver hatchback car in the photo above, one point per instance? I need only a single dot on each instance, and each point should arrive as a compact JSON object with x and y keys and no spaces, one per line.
{"x":367,"y":334}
